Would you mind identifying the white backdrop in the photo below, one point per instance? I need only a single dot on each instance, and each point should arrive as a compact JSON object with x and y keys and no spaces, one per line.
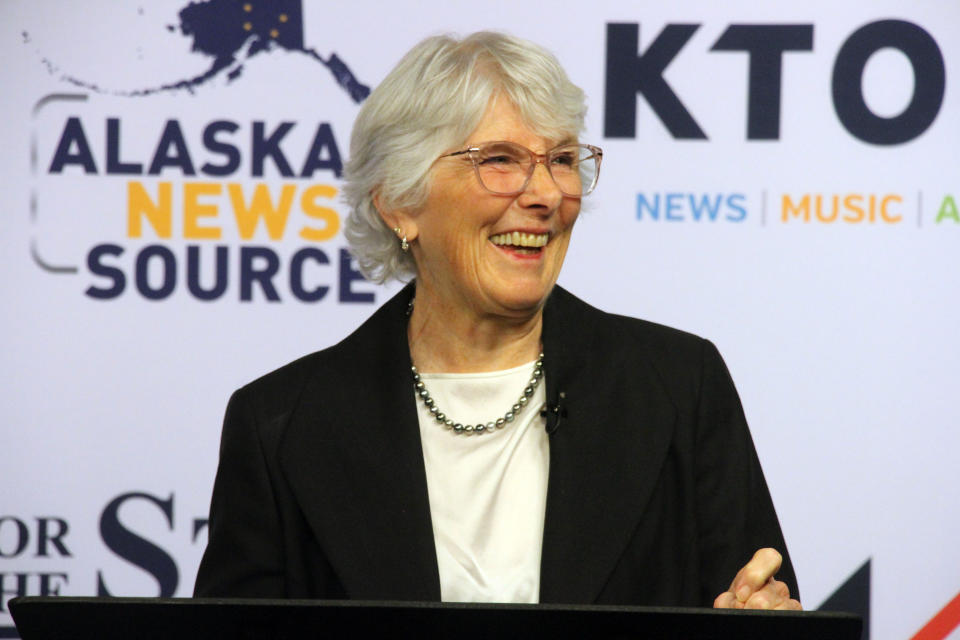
{"x":842,"y":336}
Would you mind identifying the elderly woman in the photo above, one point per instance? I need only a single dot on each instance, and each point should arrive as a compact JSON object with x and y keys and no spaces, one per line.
{"x":485,"y":435}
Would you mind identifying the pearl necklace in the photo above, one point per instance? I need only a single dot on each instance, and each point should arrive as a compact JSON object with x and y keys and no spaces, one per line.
{"x":480,"y":427}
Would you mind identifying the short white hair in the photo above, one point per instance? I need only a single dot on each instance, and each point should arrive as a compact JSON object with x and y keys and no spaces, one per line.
{"x":428,"y":104}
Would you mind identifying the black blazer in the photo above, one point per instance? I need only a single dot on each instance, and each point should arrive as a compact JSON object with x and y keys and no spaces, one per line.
{"x":655,"y":494}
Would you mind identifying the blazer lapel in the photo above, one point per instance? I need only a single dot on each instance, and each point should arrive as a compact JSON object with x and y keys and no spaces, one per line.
{"x":605,"y":455}
{"x":353,"y":458}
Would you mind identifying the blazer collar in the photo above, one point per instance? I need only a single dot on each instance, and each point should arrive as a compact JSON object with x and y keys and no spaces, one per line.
{"x":353,"y":457}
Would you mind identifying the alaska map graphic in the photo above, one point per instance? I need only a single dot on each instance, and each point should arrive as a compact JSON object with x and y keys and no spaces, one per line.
{"x":231,"y":32}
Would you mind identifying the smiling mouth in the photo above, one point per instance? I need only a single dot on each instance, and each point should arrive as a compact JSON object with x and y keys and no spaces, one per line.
{"x":522,"y":243}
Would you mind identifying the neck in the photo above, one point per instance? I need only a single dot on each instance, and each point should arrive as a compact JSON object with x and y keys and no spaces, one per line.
{"x":446,"y":338}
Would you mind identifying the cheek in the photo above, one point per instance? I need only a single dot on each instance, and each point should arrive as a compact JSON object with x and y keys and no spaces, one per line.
{"x":460,"y":246}
{"x":569,"y":214}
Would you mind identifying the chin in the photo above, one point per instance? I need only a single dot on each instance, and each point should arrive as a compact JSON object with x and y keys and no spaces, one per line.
{"x":528,"y":300}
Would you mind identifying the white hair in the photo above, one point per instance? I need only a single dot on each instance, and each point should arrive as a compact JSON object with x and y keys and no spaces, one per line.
{"x":430,"y":103}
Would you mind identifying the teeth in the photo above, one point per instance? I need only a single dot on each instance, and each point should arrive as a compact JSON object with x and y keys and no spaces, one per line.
{"x":519,"y":239}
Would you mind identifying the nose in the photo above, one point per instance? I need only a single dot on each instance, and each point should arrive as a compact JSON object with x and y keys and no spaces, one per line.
{"x":541,"y":190}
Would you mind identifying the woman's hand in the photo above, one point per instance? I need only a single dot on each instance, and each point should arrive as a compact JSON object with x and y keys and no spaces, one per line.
{"x":754,"y":586}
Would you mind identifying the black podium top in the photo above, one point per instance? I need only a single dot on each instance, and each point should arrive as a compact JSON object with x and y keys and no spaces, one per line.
{"x":48,"y":618}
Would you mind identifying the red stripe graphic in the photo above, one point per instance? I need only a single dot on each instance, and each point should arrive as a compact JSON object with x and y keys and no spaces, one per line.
{"x":941,"y":624}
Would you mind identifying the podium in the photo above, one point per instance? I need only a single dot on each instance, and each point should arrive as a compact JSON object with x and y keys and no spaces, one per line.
{"x":49,"y":618}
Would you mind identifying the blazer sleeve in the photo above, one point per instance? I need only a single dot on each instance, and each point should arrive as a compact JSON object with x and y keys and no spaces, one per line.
{"x":244,"y":555}
{"x":736,"y":516}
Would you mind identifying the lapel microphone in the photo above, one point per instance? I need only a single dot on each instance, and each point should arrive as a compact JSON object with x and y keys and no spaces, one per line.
{"x":554,"y":413}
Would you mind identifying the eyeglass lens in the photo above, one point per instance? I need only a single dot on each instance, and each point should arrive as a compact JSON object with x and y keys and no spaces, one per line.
{"x":504,"y":167}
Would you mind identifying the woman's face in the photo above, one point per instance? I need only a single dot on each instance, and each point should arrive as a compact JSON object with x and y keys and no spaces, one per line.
{"x":465,"y":246}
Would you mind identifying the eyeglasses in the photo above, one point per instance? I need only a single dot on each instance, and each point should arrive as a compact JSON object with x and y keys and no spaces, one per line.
{"x":505,"y":168}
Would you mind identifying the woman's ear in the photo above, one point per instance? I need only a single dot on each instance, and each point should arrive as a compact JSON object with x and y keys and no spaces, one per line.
{"x":396,"y":219}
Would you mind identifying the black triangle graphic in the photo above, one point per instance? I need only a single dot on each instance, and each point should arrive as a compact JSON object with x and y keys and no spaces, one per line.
{"x":853,"y":596}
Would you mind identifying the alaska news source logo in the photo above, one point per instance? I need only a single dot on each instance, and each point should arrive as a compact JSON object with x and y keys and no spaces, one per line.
{"x":230,"y":32}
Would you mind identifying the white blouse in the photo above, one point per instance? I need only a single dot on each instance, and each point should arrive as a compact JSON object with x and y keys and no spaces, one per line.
{"x":487,"y":492}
